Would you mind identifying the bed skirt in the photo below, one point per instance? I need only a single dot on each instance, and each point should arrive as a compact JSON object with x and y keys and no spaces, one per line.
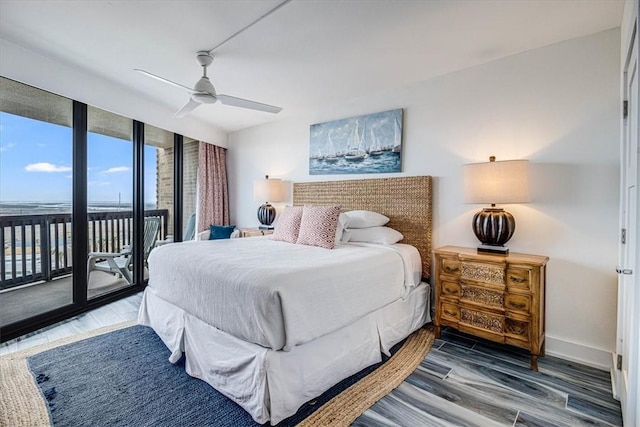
{"x":271,"y":385}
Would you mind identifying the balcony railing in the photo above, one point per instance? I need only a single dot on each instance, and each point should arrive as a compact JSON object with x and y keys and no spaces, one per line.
{"x":38,"y":247}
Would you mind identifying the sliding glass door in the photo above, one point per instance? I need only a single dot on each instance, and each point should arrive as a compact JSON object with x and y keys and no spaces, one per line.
{"x":85,"y":196}
{"x":36,"y":187}
{"x":109,"y":202}
{"x":189,"y":189}
{"x":158,"y":178}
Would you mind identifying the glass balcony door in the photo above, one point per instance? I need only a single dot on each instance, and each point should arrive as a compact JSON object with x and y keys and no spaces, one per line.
{"x":36,"y":188}
{"x":78,"y":188}
{"x":109,"y":202}
{"x":158,"y":184}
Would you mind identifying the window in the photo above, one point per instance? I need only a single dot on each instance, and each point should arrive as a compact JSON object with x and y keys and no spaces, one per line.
{"x":45,"y":180}
{"x":36,"y":187}
{"x":109,"y":201}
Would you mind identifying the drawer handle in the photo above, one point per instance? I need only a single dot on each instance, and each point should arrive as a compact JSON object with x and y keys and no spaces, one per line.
{"x":448,"y":313}
{"x":516,"y":331}
{"x":451,"y":291}
{"x":515,"y":279}
{"x":517,"y":305}
{"x":451,"y":269}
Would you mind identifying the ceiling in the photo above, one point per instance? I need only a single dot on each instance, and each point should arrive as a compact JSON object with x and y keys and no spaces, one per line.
{"x":304,"y":57}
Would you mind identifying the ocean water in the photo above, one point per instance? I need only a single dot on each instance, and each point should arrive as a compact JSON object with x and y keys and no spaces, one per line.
{"x":387,"y":162}
{"x":41,"y":208}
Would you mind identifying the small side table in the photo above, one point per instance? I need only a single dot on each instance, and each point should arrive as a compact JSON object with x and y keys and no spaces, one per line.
{"x":497,"y":297}
{"x":253,"y":232}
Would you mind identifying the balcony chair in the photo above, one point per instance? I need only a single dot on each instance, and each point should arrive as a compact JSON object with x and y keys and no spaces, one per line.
{"x":121,"y":263}
{"x":189,"y":232}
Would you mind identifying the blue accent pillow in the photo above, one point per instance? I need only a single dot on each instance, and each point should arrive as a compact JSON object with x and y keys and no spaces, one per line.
{"x":220,"y":231}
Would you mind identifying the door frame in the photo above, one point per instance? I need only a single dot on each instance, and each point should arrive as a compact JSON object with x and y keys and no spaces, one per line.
{"x":626,"y":375}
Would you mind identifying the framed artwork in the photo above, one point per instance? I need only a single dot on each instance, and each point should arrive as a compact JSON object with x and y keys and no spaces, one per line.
{"x":365,"y":144}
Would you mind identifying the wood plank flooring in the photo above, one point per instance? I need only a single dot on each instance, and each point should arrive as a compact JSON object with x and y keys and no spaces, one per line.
{"x":465,"y":381}
{"x":462,"y":382}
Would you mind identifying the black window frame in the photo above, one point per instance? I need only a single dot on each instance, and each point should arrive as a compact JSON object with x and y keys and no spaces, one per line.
{"x":79,"y":226}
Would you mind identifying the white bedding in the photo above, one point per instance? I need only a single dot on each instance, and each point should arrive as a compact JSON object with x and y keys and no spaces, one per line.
{"x":272,"y":385}
{"x":280,"y":295}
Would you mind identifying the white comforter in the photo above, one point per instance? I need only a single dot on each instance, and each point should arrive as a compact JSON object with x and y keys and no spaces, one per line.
{"x":278,"y":294}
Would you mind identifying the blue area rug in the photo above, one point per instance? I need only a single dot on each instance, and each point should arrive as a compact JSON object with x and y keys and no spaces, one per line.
{"x":123,"y":378}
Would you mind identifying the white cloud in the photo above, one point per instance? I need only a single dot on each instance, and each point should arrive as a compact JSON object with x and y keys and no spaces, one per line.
{"x":7,"y":147}
{"x":117,"y":169}
{"x":46,"y":167}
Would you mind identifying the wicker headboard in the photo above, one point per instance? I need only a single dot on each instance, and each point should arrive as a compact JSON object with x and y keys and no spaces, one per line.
{"x":405,"y":200}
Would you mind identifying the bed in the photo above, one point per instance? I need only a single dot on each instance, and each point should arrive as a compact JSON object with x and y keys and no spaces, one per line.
{"x":273,"y":325}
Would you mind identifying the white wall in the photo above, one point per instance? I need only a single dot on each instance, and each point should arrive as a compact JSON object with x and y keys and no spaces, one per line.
{"x":34,"y":69}
{"x":557,"y":106}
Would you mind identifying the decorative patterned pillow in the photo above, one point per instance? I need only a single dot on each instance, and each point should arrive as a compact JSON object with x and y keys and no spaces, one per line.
{"x":288,"y":225}
{"x":318,"y":226}
{"x":217,"y":232}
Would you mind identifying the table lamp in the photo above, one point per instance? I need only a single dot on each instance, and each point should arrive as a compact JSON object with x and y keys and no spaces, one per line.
{"x":494,"y":182}
{"x":267,"y":190}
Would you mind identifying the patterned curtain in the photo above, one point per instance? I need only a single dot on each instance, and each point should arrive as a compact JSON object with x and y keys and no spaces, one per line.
{"x":213,"y":194}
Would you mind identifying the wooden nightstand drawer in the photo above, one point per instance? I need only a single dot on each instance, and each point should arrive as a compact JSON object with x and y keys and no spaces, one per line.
{"x":518,"y":303}
{"x":482,"y":320}
{"x":451,"y":266}
{"x":519,"y":278}
{"x":484,"y":273}
{"x":517,"y":332}
{"x":450,"y":289}
{"x":482,"y":296}
{"x":450,"y":311}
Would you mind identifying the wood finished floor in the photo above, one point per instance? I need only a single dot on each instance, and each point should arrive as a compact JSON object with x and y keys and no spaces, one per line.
{"x":465,"y":381}
{"x":461,"y":382}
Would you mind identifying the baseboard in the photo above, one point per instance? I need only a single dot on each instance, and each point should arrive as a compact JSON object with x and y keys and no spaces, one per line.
{"x":590,"y":356}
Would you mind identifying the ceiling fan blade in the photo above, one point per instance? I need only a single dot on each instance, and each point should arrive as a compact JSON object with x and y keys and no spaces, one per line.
{"x":245,"y":103}
{"x":162,"y":79}
{"x":188,"y":107}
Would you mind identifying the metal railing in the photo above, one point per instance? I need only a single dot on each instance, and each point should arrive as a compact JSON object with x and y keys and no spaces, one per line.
{"x":38,"y":247}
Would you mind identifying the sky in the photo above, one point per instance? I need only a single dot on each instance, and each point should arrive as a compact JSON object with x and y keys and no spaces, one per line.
{"x":36,"y":159}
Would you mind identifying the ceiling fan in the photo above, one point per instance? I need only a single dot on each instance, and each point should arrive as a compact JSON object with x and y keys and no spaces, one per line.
{"x":204,"y":93}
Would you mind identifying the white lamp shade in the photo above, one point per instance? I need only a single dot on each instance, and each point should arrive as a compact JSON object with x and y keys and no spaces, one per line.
{"x":496,"y":182}
{"x":268,"y":190}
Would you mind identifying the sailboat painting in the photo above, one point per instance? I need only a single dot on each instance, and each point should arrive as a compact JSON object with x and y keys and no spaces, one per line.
{"x":365,"y":144}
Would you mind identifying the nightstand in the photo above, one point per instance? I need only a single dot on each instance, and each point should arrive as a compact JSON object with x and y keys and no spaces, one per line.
{"x":253,"y":232}
{"x":496,"y":297}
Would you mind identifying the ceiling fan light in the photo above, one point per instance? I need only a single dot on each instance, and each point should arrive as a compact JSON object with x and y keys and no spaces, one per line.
{"x":204,"y":85}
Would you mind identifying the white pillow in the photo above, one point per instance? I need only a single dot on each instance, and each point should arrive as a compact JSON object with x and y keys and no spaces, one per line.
{"x":379,"y":235}
{"x":343,"y":222}
{"x":365,"y":219}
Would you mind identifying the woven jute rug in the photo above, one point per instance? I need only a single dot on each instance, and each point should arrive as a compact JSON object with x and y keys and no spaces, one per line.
{"x":22,"y":404}
{"x":343,"y":409}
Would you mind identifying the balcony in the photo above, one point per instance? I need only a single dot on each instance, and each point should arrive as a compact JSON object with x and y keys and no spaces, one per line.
{"x":36,"y":263}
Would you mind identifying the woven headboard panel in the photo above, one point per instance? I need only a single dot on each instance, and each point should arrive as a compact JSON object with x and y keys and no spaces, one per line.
{"x":405,"y":200}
